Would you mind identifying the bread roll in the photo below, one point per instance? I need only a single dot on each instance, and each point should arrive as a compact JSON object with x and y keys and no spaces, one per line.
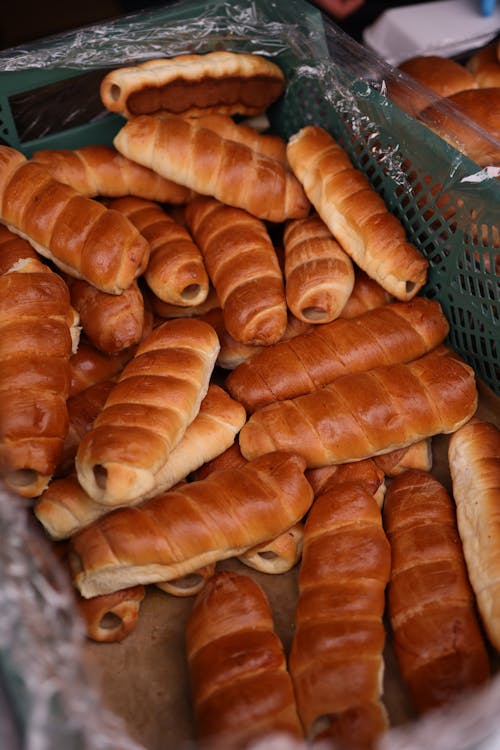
{"x":474,"y":460}
{"x":364,"y":414}
{"x":267,"y":144}
{"x":364,"y":472}
{"x":278,"y":555}
{"x":241,"y":690}
{"x":38,"y":332}
{"x":157,"y":395}
{"x":355,"y":214}
{"x":111,"y":322}
{"x":110,"y":618}
{"x":319,"y":275}
{"x":456,"y":123}
{"x":167,"y":311}
{"x":183,"y":530}
{"x":230,"y":458}
{"x":484,"y":66}
{"x":190,"y":85}
{"x":416,"y":456}
{"x":13,"y":248}
{"x":441,"y":74}
{"x":336,"y":660}
{"x":176,"y":272}
{"x":366,"y":295}
{"x":436,"y":636}
{"x":211,"y":165}
{"x":244,"y":270}
{"x":396,"y":332}
{"x":89,"y":366}
{"x":97,"y":170}
{"x":190,"y":584}
{"x":81,"y":236}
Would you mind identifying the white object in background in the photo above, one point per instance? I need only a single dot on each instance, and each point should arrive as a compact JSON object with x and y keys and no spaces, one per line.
{"x":446,"y":28}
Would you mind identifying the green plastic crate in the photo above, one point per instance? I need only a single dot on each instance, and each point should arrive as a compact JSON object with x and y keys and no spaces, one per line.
{"x":332,"y":82}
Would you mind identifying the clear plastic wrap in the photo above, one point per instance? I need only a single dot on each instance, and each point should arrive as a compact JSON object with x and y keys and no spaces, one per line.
{"x":449,"y":206}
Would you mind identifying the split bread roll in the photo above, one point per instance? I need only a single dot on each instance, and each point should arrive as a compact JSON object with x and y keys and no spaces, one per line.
{"x":363,"y":414}
{"x":474,"y":460}
{"x":319,"y":275}
{"x":396,"y":332}
{"x":205,"y":162}
{"x":244,"y":269}
{"x":97,"y":170}
{"x":111,"y":322}
{"x":336,"y":659}
{"x":190,"y":85}
{"x":176,"y":272}
{"x":182,"y":530}
{"x":355,"y":213}
{"x":156,"y":396}
{"x":38,"y":333}
{"x":110,"y":618}
{"x":80,"y":235}
{"x":241,"y":690}
{"x":435,"y":632}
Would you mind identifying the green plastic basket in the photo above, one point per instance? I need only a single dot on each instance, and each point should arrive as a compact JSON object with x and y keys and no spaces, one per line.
{"x":333,"y":82}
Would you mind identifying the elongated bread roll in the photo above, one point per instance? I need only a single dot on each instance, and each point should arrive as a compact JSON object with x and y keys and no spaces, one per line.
{"x":98,"y":170}
{"x":157,"y":394}
{"x":436,"y":635}
{"x":110,"y":618}
{"x":336,"y":660}
{"x":190,"y":584}
{"x":13,"y":248}
{"x":267,"y":144}
{"x":190,"y":85}
{"x":241,"y":689}
{"x":81,"y":236}
{"x":319,"y":275}
{"x":182,"y":530}
{"x":89,"y":366}
{"x":364,"y":414}
{"x":211,"y":165}
{"x":278,"y":555}
{"x":111,"y":322}
{"x":474,"y":460}
{"x":396,"y":332}
{"x":244,"y":269}
{"x":176,"y":272}
{"x":38,"y":332}
{"x":355,"y":214}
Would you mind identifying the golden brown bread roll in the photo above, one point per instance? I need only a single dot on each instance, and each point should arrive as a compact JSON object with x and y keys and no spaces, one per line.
{"x":110,"y":618}
{"x":278,"y":555}
{"x":176,"y":272}
{"x":190,"y":584}
{"x":480,"y":106}
{"x":156,"y":396}
{"x":89,"y":366}
{"x":98,"y":170}
{"x":244,"y":270}
{"x":166,"y":311}
{"x":416,"y":456}
{"x":441,"y":74}
{"x":80,"y":235}
{"x":182,"y":530}
{"x":355,"y":214}
{"x":13,"y":248}
{"x":319,"y":275}
{"x":395,"y":332}
{"x":336,"y":659}
{"x":240,"y":687}
{"x":363,"y":414}
{"x":38,"y":332}
{"x":365,"y":472}
{"x":230,"y":458}
{"x":211,"y":165}
{"x":474,"y":460}
{"x":366,"y":295}
{"x":267,"y":144}
{"x":111,"y":322}
{"x":436,"y":636}
{"x":484,"y":65}
{"x":83,"y":408}
{"x":190,"y":85}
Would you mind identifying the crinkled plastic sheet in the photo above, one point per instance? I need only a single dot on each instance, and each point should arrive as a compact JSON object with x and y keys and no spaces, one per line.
{"x":48,"y":702}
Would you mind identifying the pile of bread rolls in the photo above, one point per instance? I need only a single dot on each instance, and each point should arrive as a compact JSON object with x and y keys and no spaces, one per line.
{"x":213,"y":345}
